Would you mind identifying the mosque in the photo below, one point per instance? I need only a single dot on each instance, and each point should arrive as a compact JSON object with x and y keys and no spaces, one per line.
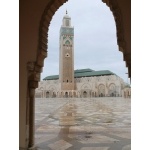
{"x":79,"y":83}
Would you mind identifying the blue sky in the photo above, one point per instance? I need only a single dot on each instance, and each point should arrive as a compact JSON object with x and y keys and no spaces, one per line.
{"x":95,"y":42}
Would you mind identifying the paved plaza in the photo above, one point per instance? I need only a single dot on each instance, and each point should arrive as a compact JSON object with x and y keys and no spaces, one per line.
{"x":83,"y":123}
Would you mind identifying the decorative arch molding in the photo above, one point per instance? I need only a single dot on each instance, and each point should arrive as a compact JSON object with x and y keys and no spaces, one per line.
{"x":101,"y":85}
{"x":86,"y":85}
{"x":111,"y":84}
{"x":67,"y":42}
{"x":101,"y":90}
{"x":41,"y":88}
{"x":112,"y":90}
{"x":52,"y":87}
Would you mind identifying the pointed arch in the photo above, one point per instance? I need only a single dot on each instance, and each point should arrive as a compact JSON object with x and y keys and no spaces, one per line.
{"x":86,"y":86}
{"x":67,"y":42}
{"x":101,"y":90}
{"x":112,"y":89}
{"x":35,"y":68}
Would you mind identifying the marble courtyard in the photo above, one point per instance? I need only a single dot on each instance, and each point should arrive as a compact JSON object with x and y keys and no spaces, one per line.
{"x":83,"y":123}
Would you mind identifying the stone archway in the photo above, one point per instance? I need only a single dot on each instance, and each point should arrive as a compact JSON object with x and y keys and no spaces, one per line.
{"x":66,"y":94}
{"x":101,"y":90}
{"x":54,"y":94}
{"x":85,"y":94}
{"x":52,"y":90}
{"x":86,"y":90}
{"x":112,"y":90}
{"x":47,"y":94}
{"x":35,"y":68}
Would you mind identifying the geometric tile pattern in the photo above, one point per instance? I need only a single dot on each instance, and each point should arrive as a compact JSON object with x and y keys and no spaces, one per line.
{"x":93,"y":138}
{"x":83,"y":124}
{"x":127,"y":147}
{"x":60,"y":145}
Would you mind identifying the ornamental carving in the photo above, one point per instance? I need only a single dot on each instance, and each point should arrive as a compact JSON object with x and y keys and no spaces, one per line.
{"x":30,"y":66}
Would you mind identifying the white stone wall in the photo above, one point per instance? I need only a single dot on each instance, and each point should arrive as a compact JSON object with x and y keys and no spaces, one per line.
{"x":97,"y":86}
{"x":126,"y":92}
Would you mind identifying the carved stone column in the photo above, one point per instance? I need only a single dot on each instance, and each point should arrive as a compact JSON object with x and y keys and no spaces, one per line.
{"x":106,"y":88}
{"x":33,"y":78}
{"x":31,"y":118}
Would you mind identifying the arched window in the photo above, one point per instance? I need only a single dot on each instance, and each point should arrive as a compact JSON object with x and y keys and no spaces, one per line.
{"x":66,"y":94}
{"x":67,"y":42}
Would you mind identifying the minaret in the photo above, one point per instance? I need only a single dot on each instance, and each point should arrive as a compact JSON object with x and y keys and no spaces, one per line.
{"x":66,"y":54}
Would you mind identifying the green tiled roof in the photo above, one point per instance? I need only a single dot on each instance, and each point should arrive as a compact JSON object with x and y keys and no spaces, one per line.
{"x":83,"y":73}
{"x":83,"y":70}
{"x":66,"y":31}
{"x":93,"y":73}
{"x":54,"y":77}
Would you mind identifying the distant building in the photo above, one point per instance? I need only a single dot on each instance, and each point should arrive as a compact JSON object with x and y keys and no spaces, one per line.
{"x":78,"y":83}
{"x":126,"y":92}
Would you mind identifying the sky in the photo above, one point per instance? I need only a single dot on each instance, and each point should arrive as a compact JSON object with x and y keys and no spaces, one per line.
{"x":95,"y":41}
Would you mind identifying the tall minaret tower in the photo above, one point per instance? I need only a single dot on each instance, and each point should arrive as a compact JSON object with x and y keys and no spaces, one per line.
{"x":66,"y":54}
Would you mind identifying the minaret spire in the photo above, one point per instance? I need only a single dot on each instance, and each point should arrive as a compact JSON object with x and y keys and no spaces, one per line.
{"x":66,"y":57}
